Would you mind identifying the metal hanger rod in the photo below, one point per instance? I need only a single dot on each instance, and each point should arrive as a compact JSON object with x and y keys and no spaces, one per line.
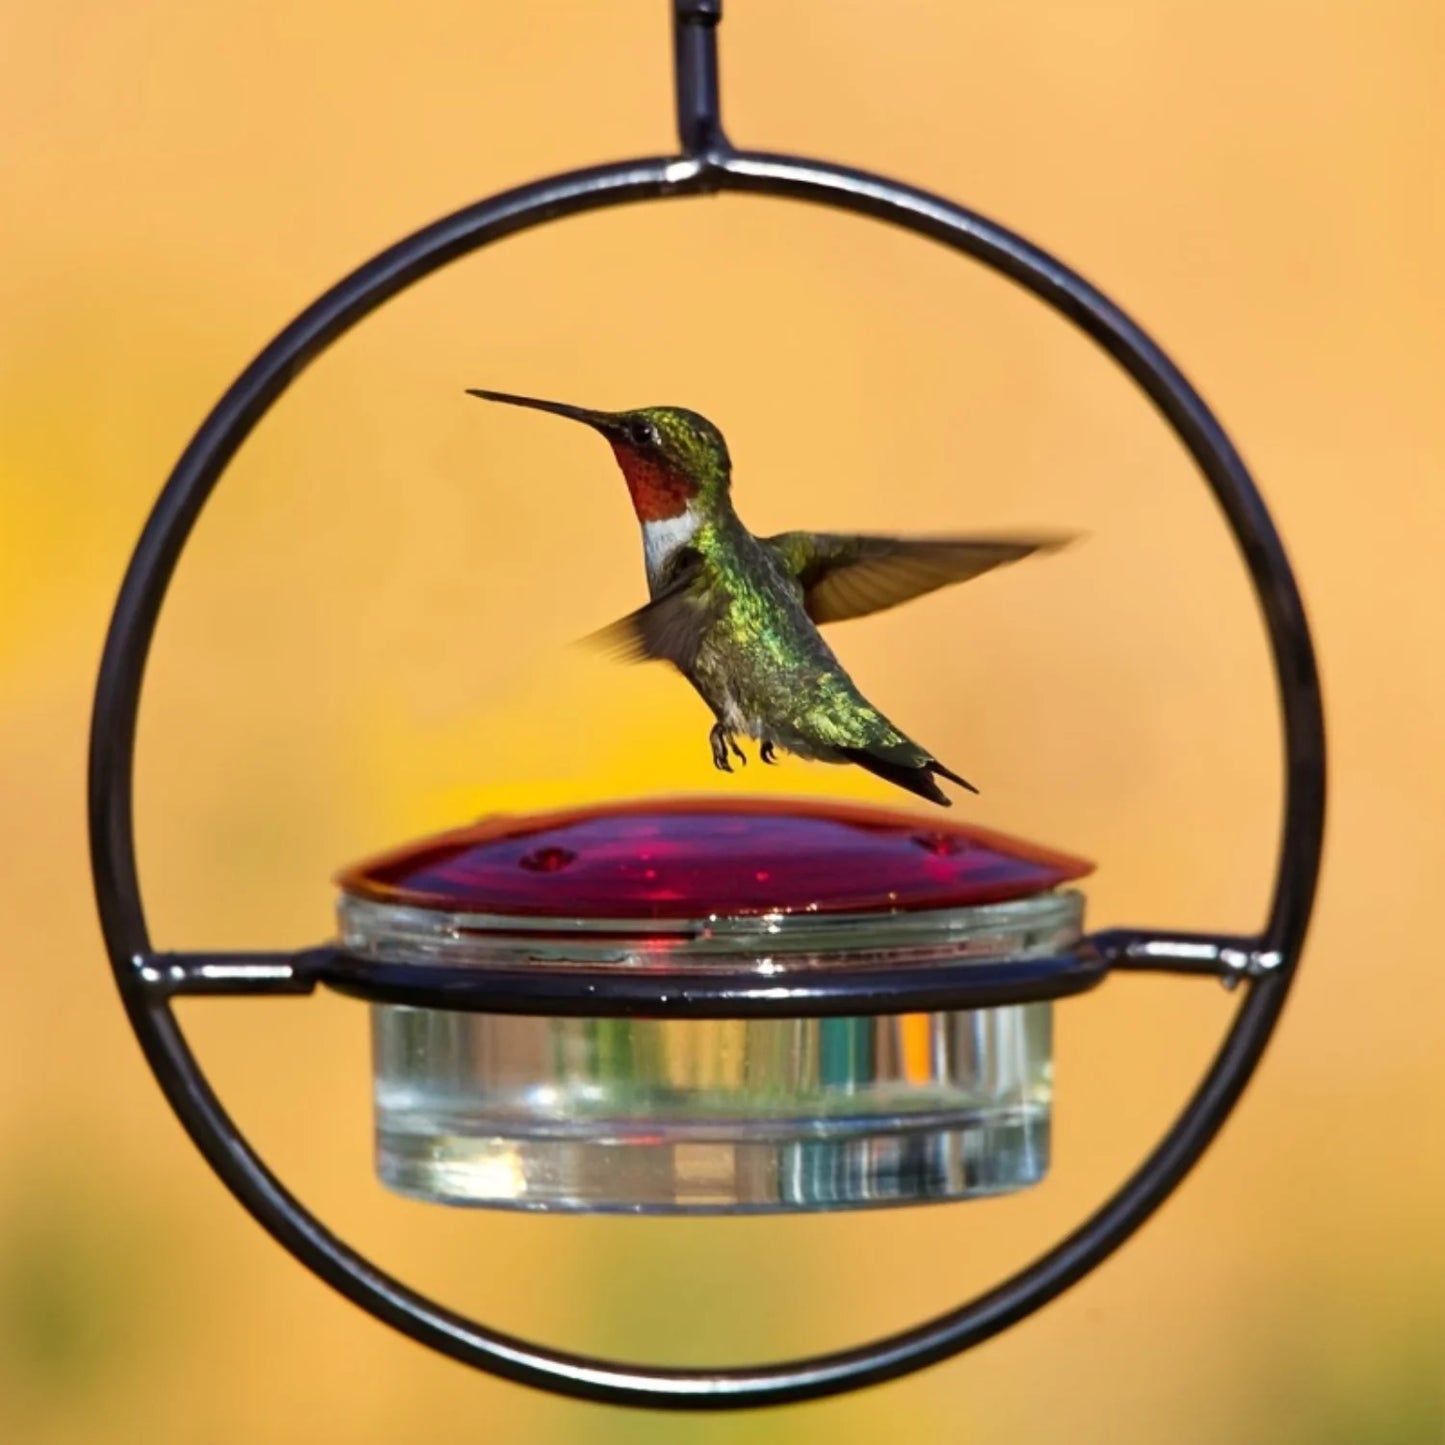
{"x":694,"y":36}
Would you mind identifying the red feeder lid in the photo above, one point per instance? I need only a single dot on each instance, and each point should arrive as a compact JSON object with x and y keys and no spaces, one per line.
{"x":695,"y":858}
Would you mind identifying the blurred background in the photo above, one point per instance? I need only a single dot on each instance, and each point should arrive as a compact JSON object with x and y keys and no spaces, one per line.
{"x":367,"y":640}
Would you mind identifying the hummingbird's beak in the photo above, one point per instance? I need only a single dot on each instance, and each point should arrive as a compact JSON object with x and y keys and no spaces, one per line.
{"x":598,"y":419}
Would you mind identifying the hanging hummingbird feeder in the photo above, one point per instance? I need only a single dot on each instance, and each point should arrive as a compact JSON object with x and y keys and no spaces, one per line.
{"x":706,"y":1006}
{"x":689,"y":1108}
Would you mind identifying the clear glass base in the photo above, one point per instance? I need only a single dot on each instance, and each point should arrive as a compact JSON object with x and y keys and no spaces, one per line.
{"x":653,"y":1116}
{"x":648,"y":1175}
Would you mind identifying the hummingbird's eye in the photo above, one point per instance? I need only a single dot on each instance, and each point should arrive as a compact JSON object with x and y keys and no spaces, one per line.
{"x":642,"y":433}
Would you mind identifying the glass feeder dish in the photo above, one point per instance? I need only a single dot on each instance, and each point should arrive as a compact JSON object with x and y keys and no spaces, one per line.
{"x":700,"y":1115}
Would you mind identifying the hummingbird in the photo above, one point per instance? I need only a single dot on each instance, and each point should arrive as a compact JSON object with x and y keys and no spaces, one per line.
{"x":738,"y":615}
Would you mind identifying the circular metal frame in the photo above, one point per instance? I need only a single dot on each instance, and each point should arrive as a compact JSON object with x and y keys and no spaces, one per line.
{"x":148,"y":980}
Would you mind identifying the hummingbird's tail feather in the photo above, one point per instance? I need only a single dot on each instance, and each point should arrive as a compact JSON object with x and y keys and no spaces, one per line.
{"x":915,"y":777}
{"x":934,"y":766}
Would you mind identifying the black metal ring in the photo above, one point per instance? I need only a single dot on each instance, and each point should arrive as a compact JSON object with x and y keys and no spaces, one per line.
{"x":605,"y":993}
{"x":118,"y":695}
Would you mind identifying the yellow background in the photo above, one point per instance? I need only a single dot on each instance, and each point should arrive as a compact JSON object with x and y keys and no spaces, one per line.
{"x":367,"y":640}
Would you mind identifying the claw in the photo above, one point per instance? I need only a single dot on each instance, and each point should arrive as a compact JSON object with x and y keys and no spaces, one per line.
{"x":765,"y":752}
{"x":723,"y":742}
{"x":719,"y":740}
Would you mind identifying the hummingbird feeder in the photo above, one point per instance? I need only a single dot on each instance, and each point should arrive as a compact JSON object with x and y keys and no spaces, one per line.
{"x":695,"y":1106}
{"x":707,"y":1006}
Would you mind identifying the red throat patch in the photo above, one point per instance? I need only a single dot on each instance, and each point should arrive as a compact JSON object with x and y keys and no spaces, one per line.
{"x":658,"y":492}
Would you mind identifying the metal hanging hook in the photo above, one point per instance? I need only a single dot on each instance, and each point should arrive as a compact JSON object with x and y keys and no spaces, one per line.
{"x":694,"y":38}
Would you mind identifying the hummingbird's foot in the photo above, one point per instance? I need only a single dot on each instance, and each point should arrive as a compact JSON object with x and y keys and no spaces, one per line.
{"x":720,"y":740}
{"x":766,"y":752}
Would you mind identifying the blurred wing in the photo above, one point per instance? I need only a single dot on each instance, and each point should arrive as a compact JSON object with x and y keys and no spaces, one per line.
{"x":669,"y":629}
{"x":845,"y":576}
